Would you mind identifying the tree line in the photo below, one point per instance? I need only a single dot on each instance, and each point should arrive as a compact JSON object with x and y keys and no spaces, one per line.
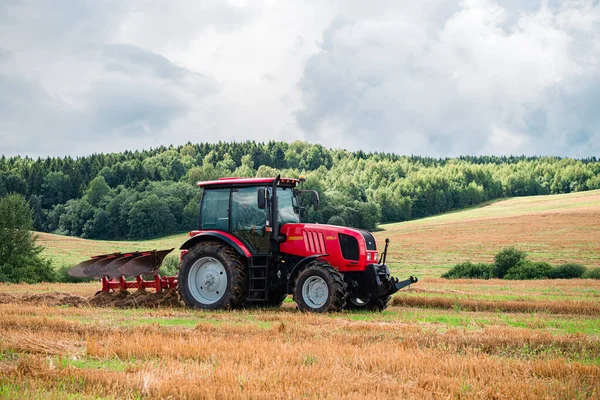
{"x":152,"y":193}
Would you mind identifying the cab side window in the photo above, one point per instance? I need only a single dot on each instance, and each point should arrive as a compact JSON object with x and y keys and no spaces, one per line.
{"x":215,"y":210}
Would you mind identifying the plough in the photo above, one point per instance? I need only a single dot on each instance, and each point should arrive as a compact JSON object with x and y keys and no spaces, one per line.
{"x":112,"y":270}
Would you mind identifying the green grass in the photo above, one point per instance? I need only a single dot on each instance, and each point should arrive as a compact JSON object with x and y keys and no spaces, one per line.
{"x":66,"y":388}
{"x":112,"y":364}
{"x":476,"y":320}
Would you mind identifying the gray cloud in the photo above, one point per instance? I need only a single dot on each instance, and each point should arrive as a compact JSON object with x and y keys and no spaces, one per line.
{"x":487,"y":78}
{"x":66,"y":86}
{"x":131,"y":59}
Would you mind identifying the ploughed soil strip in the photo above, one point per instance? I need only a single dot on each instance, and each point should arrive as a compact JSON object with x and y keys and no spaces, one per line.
{"x":169,"y":298}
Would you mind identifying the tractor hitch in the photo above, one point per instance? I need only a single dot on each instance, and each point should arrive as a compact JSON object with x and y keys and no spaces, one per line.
{"x":377,"y":282}
{"x":392,"y":285}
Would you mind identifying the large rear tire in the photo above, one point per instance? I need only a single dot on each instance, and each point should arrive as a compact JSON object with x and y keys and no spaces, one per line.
{"x":320,"y":288}
{"x":375,"y":304}
{"x":213,"y":277}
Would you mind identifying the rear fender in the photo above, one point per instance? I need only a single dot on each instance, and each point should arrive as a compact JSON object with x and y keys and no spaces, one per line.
{"x":217,"y":236}
{"x":298,"y":267}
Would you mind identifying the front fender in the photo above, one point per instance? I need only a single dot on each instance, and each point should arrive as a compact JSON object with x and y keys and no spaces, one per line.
{"x":219,"y":236}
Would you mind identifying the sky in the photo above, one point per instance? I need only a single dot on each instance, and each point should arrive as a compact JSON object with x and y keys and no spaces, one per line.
{"x":430,"y":78}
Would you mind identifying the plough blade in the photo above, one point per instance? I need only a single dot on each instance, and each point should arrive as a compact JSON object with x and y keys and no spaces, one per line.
{"x":120,"y":264}
{"x":112,"y":270}
{"x":95,"y":269}
{"x":79,"y":271}
{"x":145,"y":264}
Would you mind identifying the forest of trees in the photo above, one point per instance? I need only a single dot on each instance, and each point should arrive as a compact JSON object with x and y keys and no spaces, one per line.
{"x":152,"y":193}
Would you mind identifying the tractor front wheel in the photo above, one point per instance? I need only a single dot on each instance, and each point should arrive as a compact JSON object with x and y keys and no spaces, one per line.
{"x":320,"y":288}
{"x":212,"y":276}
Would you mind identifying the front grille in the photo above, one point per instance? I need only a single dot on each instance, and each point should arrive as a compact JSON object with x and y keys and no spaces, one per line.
{"x":314,"y":242}
{"x":349,"y":246}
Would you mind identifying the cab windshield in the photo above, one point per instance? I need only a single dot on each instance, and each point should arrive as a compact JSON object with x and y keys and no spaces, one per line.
{"x":288,"y":210}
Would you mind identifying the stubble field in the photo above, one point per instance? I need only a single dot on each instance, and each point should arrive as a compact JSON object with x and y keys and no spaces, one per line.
{"x":439,"y":339}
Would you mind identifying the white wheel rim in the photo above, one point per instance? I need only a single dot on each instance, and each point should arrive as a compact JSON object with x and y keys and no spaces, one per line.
{"x":207,"y":280}
{"x":357,"y":302}
{"x":315,"y":292}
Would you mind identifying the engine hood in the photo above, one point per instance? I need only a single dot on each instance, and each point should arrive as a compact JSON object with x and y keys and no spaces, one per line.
{"x":346,"y":248}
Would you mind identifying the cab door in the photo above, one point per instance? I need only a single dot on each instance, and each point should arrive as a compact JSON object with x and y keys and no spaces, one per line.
{"x":247,"y":220}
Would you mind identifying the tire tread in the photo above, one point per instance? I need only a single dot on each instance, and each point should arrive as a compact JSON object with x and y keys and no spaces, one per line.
{"x":336,"y":283}
{"x":233,"y":263}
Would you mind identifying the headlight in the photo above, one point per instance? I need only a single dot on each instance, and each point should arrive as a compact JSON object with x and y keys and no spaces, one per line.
{"x":375,"y":258}
{"x":368,"y":256}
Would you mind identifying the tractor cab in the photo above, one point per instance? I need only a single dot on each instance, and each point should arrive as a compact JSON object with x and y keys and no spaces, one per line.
{"x":241,"y":207}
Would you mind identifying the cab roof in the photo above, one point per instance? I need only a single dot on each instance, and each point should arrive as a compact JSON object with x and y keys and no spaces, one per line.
{"x":241,"y":182}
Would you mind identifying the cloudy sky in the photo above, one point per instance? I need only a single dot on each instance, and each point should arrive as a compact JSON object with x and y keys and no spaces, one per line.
{"x":437,"y":78}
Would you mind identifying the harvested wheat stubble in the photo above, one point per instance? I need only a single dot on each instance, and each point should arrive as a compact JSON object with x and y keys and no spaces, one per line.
{"x":281,"y":354}
{"x":185,"y":343}
{"x":549,"y":306}
{"x":310,"y":360}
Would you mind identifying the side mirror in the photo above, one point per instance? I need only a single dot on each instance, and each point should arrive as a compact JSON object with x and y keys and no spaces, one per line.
{"x":262,"y":198}
{"x":315,"y":200}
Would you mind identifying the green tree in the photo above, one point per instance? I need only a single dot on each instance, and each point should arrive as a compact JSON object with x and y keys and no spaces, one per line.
{"x":97,"y":191}
{"x":246,"y":170}
{"x":150,"y":217}
{"x":336,"y":220}
{"x":12,"y":183}
{"x":20,"y":258}
{"x":191,"y":213}
{"x":226,"y":164}
{"x":77,"y":213}
{"x":176,"y":169}
{"x":56,"y":189}
{"x":266,"y":172}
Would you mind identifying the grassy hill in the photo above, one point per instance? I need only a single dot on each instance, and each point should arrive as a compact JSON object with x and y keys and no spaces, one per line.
{"x":557,"y":229}
{"x":554,"y":228}
{"x":71,"y":250}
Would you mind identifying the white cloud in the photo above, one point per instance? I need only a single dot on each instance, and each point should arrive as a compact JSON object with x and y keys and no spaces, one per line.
{"x":504,"y":142}
{"x":392,"y":79}
{"x":432,"y":77}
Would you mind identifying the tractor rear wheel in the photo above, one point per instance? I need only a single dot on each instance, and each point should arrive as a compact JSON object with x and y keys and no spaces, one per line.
{"x":374,"y":304}
{"x":320,"y":288}
{"x":212,"y":276}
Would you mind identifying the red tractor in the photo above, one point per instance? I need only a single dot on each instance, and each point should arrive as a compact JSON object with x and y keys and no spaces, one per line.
{"x":252,"y":249}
